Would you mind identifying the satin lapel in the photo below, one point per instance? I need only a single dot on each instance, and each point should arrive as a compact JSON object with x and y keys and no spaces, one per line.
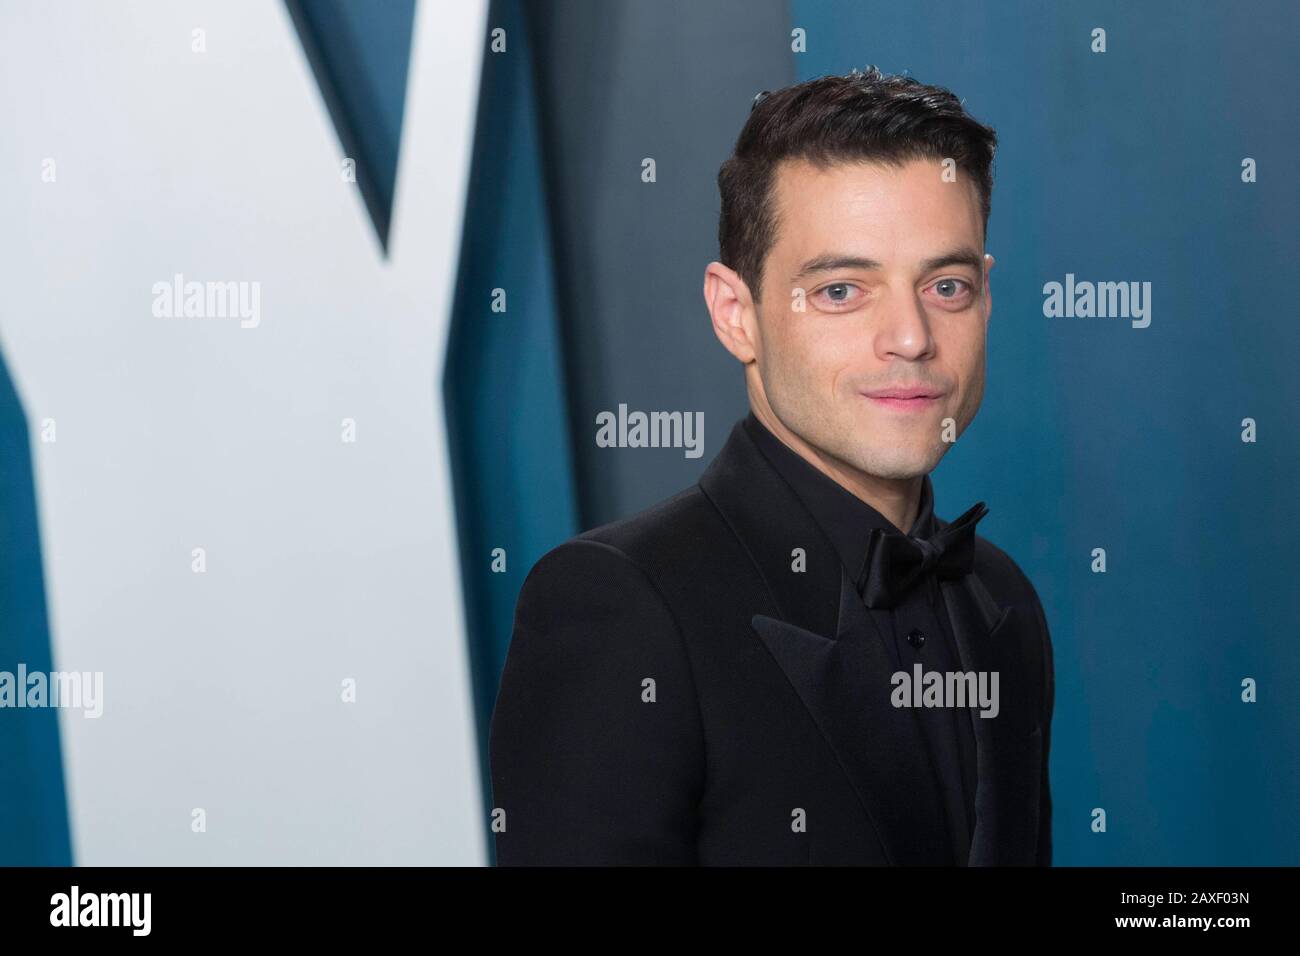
{"x":1006,"y":796}
{"x":779,"y":534}
{"x":816,"y":628}
{"x":846,"y":685}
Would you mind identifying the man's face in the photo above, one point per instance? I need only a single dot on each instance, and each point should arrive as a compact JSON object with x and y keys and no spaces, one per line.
{"x":891,"y":342}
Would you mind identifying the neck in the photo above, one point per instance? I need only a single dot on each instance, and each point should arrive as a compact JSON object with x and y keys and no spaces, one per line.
{"x":898,"y":499}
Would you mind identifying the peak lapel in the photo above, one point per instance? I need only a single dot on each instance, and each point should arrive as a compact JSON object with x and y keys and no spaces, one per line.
{"x":846,"y":685}
{"x":777,"y":531}
{"x":1008,"y":755}
{"x":822,"y":637}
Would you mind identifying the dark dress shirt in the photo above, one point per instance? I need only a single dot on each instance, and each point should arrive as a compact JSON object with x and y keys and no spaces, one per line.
{"x":917,"y":628}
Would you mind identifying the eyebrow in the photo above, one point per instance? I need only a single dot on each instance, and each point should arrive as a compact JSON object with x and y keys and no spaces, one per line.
{"x":830,"y":261}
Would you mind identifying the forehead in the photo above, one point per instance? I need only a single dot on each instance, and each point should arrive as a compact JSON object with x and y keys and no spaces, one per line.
{"x":881,"y":211}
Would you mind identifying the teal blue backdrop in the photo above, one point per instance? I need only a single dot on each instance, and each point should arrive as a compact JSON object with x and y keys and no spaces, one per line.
{"x":1119,"y":166}
{"x":1127,"y":165}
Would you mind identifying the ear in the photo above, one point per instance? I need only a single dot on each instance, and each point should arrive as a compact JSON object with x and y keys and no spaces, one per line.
{"x":732,"y":311}
{"x":988,"y":286}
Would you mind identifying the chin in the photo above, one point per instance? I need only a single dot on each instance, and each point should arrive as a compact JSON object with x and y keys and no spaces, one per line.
{"x":894,"y":470}
{"x":898,"y":461}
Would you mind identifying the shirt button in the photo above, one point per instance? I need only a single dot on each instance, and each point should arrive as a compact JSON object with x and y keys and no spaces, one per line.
{"x":916,"y":638}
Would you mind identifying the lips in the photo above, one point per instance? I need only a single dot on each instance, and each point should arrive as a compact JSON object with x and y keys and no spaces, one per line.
{"x":905,"y":397}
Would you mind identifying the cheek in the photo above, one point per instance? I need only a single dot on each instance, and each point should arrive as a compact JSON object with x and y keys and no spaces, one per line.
{"x":975,"y":390}
{"x":964,"y":347}
{"x":805,"y":353}
{"x":969,"y":368}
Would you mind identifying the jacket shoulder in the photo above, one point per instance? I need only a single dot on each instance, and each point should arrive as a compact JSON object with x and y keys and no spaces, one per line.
{"x":640,"y":549}
{"x":1002,"y":576}
{"x":670,"y":553}
{"x":657,"y":537}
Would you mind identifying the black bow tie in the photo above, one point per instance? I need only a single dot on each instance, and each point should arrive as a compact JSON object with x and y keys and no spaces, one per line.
{"x":896,"y":562}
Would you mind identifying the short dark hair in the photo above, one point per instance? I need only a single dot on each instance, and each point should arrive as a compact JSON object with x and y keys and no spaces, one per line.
{"x":869,"y":116}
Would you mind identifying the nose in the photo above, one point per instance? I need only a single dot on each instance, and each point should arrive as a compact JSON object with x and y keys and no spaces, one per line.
{"x":904,"y":330}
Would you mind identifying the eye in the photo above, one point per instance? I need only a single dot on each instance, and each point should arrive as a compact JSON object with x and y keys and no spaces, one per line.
{"x":839,"y":294}
{"x":953,"y":289}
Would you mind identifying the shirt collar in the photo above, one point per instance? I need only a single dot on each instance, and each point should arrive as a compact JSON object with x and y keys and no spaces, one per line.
{"x":845,"y":518}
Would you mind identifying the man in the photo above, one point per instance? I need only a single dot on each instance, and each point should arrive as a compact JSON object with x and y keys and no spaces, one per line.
{"x":765,"y":669}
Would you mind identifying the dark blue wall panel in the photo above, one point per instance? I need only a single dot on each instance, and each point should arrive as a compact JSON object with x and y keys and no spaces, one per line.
{"x":504,"y":380}
{"x":360,"y":54}
{"x":33,"y":807}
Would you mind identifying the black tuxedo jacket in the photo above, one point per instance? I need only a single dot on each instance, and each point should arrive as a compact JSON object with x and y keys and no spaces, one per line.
{"x":676,"y":693}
